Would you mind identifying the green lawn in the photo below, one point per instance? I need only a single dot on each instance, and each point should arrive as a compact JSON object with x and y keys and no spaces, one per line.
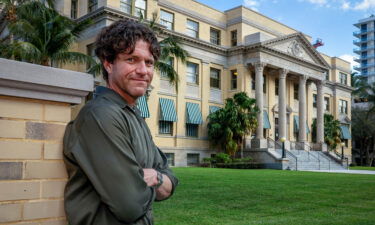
{"x":234,"y":197}
{"x":362,"y":168}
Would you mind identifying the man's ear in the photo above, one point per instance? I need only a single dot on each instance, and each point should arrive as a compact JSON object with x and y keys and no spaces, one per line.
{"x":108,"y":66}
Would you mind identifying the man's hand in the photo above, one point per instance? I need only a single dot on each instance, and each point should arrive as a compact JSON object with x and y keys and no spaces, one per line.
{"x":151,"y":178}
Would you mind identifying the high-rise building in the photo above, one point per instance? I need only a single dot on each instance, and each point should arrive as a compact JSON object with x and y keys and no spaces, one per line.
{"x":366,"y":47}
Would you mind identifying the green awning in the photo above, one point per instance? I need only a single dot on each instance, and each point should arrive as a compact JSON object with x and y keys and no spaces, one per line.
{"x":143,"y":107}
{"x":345,"y":132}
{"x":167,"y":110}
{"x":193,"y":113}
{"x":296,"y":125}
{"x":213,"y":109}
{"x":266,"y":120}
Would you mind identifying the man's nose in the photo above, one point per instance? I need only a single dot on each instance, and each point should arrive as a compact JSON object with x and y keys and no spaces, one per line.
{"x":141,"y":68}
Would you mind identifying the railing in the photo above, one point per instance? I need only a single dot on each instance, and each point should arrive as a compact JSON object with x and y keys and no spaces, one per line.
{"x":274,"y":144}
{"x":341,"y":159}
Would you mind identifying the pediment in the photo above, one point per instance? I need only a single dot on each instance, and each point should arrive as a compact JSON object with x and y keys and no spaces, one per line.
{"x":297,"y":46}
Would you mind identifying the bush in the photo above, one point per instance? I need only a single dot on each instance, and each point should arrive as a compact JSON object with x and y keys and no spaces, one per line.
{"x":240,"y":165}
{"x":223,"y":158}
{"x":247,"y":159}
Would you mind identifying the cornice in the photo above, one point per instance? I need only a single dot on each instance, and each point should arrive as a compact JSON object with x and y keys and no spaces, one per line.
{"x":244,"y":20}
{"x":341,"y":69}
{"x":192,"y":14}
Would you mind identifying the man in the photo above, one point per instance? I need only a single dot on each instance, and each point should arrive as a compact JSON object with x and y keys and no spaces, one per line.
{"x":115,"y":170}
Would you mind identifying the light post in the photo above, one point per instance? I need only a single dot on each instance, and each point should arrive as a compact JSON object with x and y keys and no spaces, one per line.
{"x":342,"y":151}
{"x":283,"y":146}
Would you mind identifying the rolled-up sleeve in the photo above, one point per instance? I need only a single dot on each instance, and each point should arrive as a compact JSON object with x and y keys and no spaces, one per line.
{"x":162,"y":166}
{"x":106,"y":156}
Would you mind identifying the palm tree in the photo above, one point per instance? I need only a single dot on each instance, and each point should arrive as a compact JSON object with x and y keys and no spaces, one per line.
{"x":228,"y":127}
{"x":332,"y":131}
{"x":43,"y":36}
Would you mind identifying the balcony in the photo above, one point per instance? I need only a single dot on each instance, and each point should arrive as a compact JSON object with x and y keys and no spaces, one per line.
{"x":360,"y":58}
{"x":360,"y":32}
{"x":364,"y":66}
{"x":360,"y":41}
{"x":361,"y":49}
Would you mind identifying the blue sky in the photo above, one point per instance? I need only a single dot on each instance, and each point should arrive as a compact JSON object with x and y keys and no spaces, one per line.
{"x":330,"y":20}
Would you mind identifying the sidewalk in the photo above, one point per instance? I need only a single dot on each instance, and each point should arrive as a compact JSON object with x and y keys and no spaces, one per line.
{"x":345,"y":171}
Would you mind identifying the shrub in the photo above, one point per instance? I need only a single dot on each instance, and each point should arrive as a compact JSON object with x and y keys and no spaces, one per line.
{"x":223,"y":158}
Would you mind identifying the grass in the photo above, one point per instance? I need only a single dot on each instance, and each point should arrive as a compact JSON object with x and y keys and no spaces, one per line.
{"x":208,"y":196}
{"x":362,"y":168}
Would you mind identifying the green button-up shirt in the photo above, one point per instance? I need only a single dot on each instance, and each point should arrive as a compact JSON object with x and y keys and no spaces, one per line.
{"x":105,"y":149}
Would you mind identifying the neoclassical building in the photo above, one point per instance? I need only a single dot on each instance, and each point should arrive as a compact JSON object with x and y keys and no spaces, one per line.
{"x":231,"y":51}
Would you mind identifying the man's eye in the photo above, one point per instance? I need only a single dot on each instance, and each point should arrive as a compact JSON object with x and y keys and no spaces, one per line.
{"x":130,"y":59}
{"x":150,"y":63}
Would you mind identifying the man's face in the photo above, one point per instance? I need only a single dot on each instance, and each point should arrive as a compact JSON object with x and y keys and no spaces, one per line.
{"x":130,"y":74}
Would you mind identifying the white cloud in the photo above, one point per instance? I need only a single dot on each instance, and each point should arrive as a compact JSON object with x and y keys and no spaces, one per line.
{"x":365,"y":5}
{"x":252,"y":4}
{"x":349,"y":58}
{"x":345,"y":5}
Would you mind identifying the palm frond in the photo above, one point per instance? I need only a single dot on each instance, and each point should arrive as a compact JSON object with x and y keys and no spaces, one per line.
{"x":72,"y":57}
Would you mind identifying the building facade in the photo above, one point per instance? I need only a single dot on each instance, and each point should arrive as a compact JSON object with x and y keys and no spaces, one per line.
{"x":232,"y":51}
{"x":365,"y":42}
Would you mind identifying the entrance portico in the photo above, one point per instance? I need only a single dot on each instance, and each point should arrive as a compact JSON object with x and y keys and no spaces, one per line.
{"x":288,"y":59}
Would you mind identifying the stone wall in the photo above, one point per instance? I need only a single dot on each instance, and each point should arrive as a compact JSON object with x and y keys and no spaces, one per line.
{"x":35,"y":106}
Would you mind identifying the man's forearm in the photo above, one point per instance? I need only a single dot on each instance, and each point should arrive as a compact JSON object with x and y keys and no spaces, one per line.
{"x":165,"y":190}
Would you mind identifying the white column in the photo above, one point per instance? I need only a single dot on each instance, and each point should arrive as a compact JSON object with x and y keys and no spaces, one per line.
{"x":320,"y":113}
{"x":302,"y":108}
{"x":282,"y":103}
{"x":259,"y":67}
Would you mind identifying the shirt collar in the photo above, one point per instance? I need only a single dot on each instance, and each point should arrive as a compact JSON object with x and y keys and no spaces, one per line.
{"x":111,"y":95}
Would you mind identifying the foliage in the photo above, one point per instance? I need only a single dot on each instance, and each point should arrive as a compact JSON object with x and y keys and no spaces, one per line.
{"x":222,"y":158}
{"x":213,"y":196}
{"x":227,"y":127}
{"x":363,"y":132}
{"x":42,"y":36}
{"x":332,"y":131}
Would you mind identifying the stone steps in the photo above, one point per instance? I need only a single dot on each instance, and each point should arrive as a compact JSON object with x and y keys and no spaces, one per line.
{"x":313,"y":160}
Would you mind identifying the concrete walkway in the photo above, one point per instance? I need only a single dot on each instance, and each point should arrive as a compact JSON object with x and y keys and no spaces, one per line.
{"x":372,"y":172}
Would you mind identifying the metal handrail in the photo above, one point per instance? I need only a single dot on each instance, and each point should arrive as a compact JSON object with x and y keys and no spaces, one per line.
{"x":286,"y":151}
{"x":342,"y":158}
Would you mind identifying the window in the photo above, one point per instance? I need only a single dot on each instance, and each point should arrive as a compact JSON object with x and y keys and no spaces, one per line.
{"x":295,"y":91}
{"x":327,"y":75}
{"x":73,"y":9}
{"x":192,"y":130}
{"x":92,"y":5}
{"x":233,"y":38}
{"x":264,"y":85}
{"x":167,"y":19}
{"x":133,"y":7}
{"x":165,"y":127}
{"x":192,"y":28}
{"x":314,"y":100}
{"x":233,"y":79}
{"x":252,"y":81}
{"x":192,"y":73}
{"x":276,"y":86}
{"x":170,"y":158}
{"x":326,"y":104}
{"x":343,"y":106}
{"x":91,"y":52}
{"x":140,"y":8}
{"x":192,"y":159}
{"x":126,"y":6}
{"x":214,"y":36}
{"x":215,"y":78}
{"x":343,"y":78}
{"x":170,"y":62}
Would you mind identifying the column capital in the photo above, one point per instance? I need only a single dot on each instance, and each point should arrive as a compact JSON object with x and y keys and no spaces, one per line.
{"x":303,"y":78}
{"x":259,"y":65}
{"x":320,"y":83}
{"x":283,"y":73}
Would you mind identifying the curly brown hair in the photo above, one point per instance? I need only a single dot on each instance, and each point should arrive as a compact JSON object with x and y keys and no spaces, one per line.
{"x":121,"y":37}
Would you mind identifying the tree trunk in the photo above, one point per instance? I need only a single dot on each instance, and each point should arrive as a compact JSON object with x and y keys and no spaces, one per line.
{"x":361,"y":153}
{"x":368,"y":155}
